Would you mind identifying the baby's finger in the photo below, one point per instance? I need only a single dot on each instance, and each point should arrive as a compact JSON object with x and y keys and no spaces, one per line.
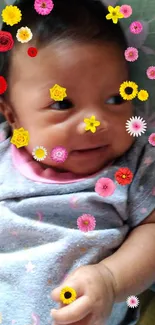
{"x":55,"y":294}
{"x":73,"y":312}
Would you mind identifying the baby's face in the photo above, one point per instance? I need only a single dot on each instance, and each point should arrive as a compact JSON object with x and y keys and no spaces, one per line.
{"x":92,"y":75}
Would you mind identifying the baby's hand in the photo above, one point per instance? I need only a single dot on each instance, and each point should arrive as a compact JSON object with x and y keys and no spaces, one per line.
{"x":95,"y":297}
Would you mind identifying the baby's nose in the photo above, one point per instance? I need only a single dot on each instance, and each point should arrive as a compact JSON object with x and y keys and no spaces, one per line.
{"x":83,"y":126}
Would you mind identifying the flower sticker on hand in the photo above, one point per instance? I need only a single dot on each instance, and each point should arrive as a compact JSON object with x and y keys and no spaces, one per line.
{"x":43,"y":7}
{"x":58,"y":93}
{"x":11,"y":15}
{"x":24,"y":35}
{"x":68,"y":295}
{"x":91,"y":124}
{"x":20,"y":138}
{"x":114,"y":14}
{"x":124,"y":176}
{"x":6,"y":41}
{"x":136,"y":126}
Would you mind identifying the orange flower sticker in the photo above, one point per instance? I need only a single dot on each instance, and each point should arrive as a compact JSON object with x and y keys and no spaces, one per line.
{"x":124,"y":176}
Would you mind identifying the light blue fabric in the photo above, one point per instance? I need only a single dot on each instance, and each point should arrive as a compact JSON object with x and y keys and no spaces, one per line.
{"x":54,"y":245}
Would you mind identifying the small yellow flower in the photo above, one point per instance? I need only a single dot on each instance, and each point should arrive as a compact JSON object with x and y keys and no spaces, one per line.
{"x":39,"y":153}
{"x":20,"y":138}
{"x":91,"y":124}
{"x":143,"y":95}
{"x":128,"y":90}
{"x":24,"y":34}
{"x":114,"y":14}
{"x":11,"y":15}
{"x":68,"y":295}
{"x":58,"y":93}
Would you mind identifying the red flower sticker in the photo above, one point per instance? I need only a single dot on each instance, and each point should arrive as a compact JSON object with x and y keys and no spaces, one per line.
{"x":124,"y":176}
{"x":32,"y":51}
{"x":3,"y":85}
{"x":6,"y":41}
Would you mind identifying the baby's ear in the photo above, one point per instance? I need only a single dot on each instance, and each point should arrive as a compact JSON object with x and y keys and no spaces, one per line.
{"x":7,"y":111}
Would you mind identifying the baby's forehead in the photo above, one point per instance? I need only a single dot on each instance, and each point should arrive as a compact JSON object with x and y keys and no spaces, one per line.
{"x":67,"y":60}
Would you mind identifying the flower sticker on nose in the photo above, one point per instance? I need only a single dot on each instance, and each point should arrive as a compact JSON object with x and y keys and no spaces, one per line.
{"x":20,"y":138}
{"x":58,"y":93}
{"x":91,"y":124}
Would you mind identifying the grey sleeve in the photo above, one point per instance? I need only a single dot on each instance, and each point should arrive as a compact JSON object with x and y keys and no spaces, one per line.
{"x":141,"y":198}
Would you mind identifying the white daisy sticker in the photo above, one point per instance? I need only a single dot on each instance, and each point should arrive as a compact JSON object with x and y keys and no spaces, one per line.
{"x":39,"y":153}
{"x":136,"y":126}
{"x":132,"y":302}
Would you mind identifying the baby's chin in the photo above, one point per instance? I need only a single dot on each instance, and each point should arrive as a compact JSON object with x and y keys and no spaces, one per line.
{"x":79,"y":169}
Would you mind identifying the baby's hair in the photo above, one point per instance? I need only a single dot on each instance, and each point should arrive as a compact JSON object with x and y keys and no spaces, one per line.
{"x":77,"y":20}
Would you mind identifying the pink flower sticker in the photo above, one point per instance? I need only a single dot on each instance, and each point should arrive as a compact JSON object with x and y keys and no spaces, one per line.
{"x":59,"y":154}
{"x":152,"y":139}
{"x":86,"y":222}
{"x":151,"y":72}
{"x":43,"y":7}
{"x":132,"y":302}
{"x":136,"y":27}
{"x":131,"y":54}
{"x":126,"y":10}
{"x":105,"y":187}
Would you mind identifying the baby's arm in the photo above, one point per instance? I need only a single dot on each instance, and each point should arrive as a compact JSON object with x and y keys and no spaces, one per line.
{"x":133,"y":265}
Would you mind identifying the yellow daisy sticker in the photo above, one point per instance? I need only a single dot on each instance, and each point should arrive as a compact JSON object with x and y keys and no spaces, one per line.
{"x":67,"y":295}
{"x":58,"y":93}
{"x":11,"y":15}
{"x":91,"y":124}
{"x":143,"y":95}
{"x":20,"y":138}
{"x":114,"y":14}
{"x":39,"y":153}
{"x":24,"y":34}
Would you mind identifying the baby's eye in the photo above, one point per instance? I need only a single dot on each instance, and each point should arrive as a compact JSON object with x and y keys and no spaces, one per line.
{"x":62,"y":105}
{"x":115,"y":100}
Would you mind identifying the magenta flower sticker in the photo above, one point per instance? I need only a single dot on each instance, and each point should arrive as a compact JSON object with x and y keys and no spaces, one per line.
{"x":131,"y":54}
{"x":136,"y":27}
{"x":105,"y":187}
{"x":86,"y":222}
{"x":43,"y":7}
{"x":126,"y":10}
{"x":59,"y":154}
{"x":151,"y":72}
{"x":152,"y":139}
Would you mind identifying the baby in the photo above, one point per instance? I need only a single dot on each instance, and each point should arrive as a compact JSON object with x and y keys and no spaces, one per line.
{"x":46,"y":207}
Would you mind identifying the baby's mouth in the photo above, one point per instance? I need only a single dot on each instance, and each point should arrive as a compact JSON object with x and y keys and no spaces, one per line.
{"x":89,"y":151}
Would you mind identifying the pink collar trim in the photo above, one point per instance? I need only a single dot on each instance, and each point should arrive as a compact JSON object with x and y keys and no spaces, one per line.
{"x":33,"y":170}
